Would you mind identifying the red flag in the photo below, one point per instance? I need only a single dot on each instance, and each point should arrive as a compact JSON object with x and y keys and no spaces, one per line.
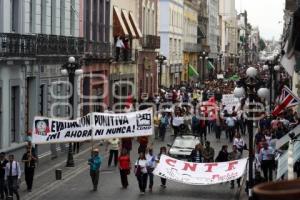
{"x":129,"y":102}
{"x":287,"y":99}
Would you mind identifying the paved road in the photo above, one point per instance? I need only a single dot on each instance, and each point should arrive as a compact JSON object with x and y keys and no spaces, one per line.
{"x":76,"y":183}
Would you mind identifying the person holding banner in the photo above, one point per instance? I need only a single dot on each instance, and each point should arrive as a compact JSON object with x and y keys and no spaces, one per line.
{"x":95,"y":163}
{"x":197,"y":154}
{"x":29,"y":160}
{"x":163,"y":151}
{"x":235,"y":155}
{"x":124,"y":166}
{"x":114,"y":145}
{"x":141,"y":172}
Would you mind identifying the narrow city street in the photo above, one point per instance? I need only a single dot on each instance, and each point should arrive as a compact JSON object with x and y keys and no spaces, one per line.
{"x":76,"y":183}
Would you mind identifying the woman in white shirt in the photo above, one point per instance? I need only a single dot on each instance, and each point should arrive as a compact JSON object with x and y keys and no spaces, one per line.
{"x":239,"y":142}
{"x":141,"y":172}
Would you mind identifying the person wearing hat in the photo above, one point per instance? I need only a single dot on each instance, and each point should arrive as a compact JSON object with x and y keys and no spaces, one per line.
{"x":95,"y":163}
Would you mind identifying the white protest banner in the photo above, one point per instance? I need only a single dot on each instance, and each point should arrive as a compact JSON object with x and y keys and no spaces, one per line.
{"x":199,"y":173}
{"x":94,"y":126}
{"x":229,"y":100}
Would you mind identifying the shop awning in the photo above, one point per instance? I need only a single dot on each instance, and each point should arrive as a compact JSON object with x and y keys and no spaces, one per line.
{"x":119,"y":28}
{"x":135,"y":26}
{"x":128,"y":25}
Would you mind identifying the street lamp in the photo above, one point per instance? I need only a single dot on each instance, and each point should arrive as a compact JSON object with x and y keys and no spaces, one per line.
{"x":71,"y":68}
{"x":220,"y":60}
{"x":161,"y":60}
{"x":203,"y":56}
{"x":248,"y":87}
{"x":270,"y":65}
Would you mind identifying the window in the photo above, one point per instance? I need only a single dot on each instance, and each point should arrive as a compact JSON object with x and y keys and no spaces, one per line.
{"x":72,"y":20}
{"x":31,"y":6}
{"x":62,"y":17}
{"x":15,"y":113}
{"x":1,"y":115}
{"x":87,"y":19}
{"x":53,"y":17}
{"x":94,"y":20}
{"x":144,"y":21}
{"x":14,"y":15}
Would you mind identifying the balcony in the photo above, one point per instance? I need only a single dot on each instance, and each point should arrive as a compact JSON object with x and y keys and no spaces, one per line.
{"x":98,"y":50}
{"x":151,"y":42}
{"x":126,"y":55}
{"x":17,"y":45}
{"x":192,"y":47}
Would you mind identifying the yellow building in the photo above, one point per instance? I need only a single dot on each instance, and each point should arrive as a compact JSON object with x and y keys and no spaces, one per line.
{"x":191,"y":48}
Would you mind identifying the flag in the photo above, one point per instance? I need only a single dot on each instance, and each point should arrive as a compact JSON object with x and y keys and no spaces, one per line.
{"x":210,"y":66}
{"x":287,"y":99}
{"x":192,"y":71}
{"x":129,"y":104}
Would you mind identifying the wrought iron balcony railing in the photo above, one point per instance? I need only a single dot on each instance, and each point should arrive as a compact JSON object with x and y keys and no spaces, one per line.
{"x":192,"y":47}
{"x":18,"y":45}
{"x":151,"y":42}
{"x":98,"y":50}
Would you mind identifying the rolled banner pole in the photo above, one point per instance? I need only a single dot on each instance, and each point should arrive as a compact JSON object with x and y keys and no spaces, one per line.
{"x":291,"y":160}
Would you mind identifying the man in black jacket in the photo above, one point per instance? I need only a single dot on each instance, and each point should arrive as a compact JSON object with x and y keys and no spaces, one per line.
{"x":3,"y":188}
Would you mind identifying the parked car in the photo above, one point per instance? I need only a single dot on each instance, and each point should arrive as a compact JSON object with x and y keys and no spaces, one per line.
{"x":183,"y":145}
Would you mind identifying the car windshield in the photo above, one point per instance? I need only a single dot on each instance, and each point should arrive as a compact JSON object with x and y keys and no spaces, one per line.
{"x":185,"y":142}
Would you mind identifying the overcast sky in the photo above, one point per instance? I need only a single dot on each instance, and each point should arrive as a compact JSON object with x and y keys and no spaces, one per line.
{"x":266,"y":14}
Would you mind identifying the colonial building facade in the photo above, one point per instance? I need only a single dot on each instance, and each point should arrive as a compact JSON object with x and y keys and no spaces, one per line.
{"x":36,"y":38}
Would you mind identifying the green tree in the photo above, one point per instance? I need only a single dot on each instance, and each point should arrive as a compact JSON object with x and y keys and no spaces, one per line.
{"x":262,"y":44}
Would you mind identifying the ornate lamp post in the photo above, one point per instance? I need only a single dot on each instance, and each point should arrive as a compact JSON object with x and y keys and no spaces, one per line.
{"x":250,"y":88}
{"x":220,"y":60}
{"x":161,"y":60}
{"x":272,"y":72}
{"x":203,"y":56}
{"x":71,"y":68}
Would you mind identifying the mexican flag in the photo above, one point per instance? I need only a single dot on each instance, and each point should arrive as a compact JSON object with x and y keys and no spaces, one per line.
{"x":210,"y":66}
{"x":192,"y":71}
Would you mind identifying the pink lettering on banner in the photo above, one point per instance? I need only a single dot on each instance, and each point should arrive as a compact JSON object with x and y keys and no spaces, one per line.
{"x":210,"y":166}
{"x":231,"y":165}
{"x":189,"y":166}
{"x":171,"y":162}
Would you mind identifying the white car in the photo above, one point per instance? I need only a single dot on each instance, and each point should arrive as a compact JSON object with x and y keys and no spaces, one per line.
{"x":183,"y":145}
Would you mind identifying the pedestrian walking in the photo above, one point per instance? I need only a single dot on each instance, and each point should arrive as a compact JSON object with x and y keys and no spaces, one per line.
{"x":230,"y":122}
{"x":126,"y":143}
{"x":13,"y":176}
{"x":223,"y":154}
{"x":143,"y":141}
{"x":162,"y":151}
{"x":3,"y":186}
{"x":208,"y":153}
{"x":197,"y":154}
{"x":95,"y":163}
{"x":235,"y":155}
{"x":164,"y":122}
{"x":151,"y":164}
{"x":239,"y":143}
{"x":124,"y":166}
{"x":267,"y":160}
{"x":29,"y":160}
{"x":141,"y":172}
{"x":113,"y":146}
{"x":177,"y":121}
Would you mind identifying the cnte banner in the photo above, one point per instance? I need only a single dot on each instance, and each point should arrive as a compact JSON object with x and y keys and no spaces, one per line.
{"x":94,"y":126}
{"x":199,"y":173}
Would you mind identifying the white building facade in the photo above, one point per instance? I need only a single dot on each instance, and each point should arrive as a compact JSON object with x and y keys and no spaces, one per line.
{"x":213,"y":29}
{"x":171,"y":40}
{"x":34,"y":43}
